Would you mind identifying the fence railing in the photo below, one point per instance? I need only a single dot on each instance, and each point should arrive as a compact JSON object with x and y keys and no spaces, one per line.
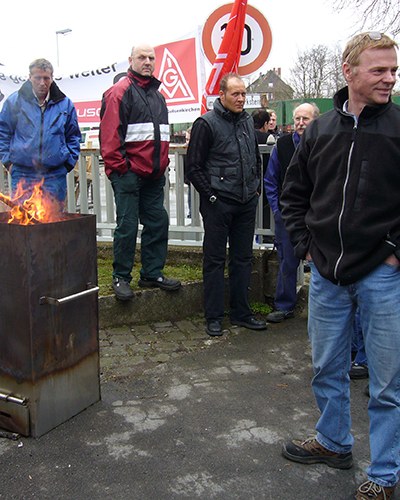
{"x":90,"y":191}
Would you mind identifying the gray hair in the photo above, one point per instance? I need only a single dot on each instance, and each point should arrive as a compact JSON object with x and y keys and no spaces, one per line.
{"x":42,"y":64}
{"x":315,"y":109}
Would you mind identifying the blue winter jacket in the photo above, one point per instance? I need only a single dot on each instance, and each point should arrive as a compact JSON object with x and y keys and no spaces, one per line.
{"x":31,"y":139}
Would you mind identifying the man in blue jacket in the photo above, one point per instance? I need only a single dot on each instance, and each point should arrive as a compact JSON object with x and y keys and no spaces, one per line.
{"x":39,"y":133}
{"x":285,"y":293}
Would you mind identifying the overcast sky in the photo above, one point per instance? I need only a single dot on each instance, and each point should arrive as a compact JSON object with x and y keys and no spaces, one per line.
{"x":103,"y":32}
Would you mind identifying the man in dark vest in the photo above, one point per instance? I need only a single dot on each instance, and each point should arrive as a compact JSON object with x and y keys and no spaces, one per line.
{"x":223,"y":164}
{"x":285,"y":293}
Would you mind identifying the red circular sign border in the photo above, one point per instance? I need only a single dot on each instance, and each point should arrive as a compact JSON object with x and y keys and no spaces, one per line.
{"x":255,"y":14}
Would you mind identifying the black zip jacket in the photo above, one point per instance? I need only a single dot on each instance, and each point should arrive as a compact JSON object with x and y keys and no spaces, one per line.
{"x":223,"y":156}
{"x":341,"y":195}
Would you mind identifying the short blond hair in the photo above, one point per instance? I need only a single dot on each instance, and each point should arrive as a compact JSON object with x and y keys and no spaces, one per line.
{"x":364,"y":41}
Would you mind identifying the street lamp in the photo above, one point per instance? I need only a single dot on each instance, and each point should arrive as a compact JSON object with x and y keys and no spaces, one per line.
{"x":61,"y":32}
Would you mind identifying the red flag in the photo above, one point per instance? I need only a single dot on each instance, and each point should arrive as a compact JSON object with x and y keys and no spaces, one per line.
{"x":228,"y":56}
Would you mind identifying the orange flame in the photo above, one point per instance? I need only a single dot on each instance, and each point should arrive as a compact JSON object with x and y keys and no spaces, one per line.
{"x":32,"y":204}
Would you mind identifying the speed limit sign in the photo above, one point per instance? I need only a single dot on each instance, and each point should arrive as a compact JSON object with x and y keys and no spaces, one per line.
{"x":257,"y":37}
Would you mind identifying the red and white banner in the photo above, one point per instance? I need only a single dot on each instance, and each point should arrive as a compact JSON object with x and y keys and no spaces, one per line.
{"x":179,"y":67}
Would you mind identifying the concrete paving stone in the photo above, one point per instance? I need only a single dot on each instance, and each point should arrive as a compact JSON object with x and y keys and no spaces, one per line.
{"x":193,"y":344}
{"x":148,"y":338}
{"x":119,"y":330}
{"x":124,"y":339}
{"x":165,"y":325}
{"x":173,"y":335}
{"x":114,"y":350}
{"x":188,"y":325}
{"x":139,"y":330}
{"x":198,"y":333}
{"x":161,"y":357}
{"x":139,"y":349}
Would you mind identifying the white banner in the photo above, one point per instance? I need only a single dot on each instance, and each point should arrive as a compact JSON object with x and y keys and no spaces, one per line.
{"x":179,"y":67}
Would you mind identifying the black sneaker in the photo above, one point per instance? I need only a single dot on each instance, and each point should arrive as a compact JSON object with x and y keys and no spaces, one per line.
{"x":251,"y":323}
{"x":279,"y":316}
{"x":214,"y":328}
{"x":160,"y":282}
{"x":358,"y":371}
{"x":122,"y":289}
{"x":311,"y":452}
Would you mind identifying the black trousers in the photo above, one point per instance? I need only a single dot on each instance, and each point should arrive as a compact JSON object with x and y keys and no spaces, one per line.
{"x":234,"y":224}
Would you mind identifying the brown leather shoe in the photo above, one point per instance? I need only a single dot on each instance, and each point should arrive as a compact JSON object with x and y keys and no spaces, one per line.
{"x":370,"y":490}
{"x":311,"y":452}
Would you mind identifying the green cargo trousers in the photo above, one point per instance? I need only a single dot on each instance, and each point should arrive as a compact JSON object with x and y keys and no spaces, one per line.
{"x":139,"y":199}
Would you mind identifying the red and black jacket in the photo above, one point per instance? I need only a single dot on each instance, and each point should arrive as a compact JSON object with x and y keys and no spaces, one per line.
{"x":134,"y":130}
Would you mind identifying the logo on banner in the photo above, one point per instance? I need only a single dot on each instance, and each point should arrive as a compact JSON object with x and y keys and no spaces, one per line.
{"x":177,"y":72}
{"x":174,"y":84}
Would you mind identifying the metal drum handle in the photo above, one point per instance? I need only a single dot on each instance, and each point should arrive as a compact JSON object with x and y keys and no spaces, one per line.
{"x":56,"y":302}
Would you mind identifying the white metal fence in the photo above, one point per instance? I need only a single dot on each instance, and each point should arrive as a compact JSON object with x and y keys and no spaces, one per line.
{"x":89,"y":191}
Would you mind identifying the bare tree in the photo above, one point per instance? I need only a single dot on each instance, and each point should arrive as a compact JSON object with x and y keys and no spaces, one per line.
{"x":317,"y":73}
{"x":382,"y":15}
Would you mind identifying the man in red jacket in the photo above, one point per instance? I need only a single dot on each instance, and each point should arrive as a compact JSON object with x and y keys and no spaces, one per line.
{"x":134,"y":140}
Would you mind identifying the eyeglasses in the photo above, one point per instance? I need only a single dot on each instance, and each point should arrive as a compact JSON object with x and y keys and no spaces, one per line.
{"x":372,"y":35}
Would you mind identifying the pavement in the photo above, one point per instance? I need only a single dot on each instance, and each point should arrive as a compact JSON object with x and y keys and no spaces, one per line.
{"x":186,"y":416}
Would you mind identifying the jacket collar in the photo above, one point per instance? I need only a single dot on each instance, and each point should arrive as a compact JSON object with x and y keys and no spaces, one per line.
{"x":55,"y":93}
{"x":226,"y":114}
{"x":144,"y":82}
{"x":368,"y":112}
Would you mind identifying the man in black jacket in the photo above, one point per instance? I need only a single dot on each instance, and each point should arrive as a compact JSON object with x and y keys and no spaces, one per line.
{"x":341,"y":207}
{"x":223,"y":164}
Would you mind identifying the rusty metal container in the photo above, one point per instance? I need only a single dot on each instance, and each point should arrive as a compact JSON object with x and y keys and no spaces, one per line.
{"x":49,"y":349}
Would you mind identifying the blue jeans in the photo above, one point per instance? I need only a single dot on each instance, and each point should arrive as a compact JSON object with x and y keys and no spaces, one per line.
{"x":54,"y":180}
{"x":331,"y":314}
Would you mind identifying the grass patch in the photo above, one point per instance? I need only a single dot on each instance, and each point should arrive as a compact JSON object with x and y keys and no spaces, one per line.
{"x":261,"y":308}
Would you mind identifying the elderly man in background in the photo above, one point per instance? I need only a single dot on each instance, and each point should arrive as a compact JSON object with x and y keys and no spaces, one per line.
{"x":286,"y":293}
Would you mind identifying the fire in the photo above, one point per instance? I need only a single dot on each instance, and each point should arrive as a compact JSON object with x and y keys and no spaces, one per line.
{"x":31,"y":205}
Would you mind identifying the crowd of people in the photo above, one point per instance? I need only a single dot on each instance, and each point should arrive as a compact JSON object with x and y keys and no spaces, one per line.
{"x":332,"y":188}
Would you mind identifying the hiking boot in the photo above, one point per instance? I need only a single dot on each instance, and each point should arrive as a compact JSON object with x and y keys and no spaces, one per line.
{"x":311,"y":452}
{"x":160,"y":282}
{"x":279,"y":316}
{"x":369,"y":490}
{"x":122,"y":289}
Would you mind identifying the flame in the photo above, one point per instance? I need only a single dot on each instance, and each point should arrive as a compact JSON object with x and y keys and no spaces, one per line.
{"x":31,"y":204}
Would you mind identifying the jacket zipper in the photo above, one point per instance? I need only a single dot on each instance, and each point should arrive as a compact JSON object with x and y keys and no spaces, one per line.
{"x":344,"y":203}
